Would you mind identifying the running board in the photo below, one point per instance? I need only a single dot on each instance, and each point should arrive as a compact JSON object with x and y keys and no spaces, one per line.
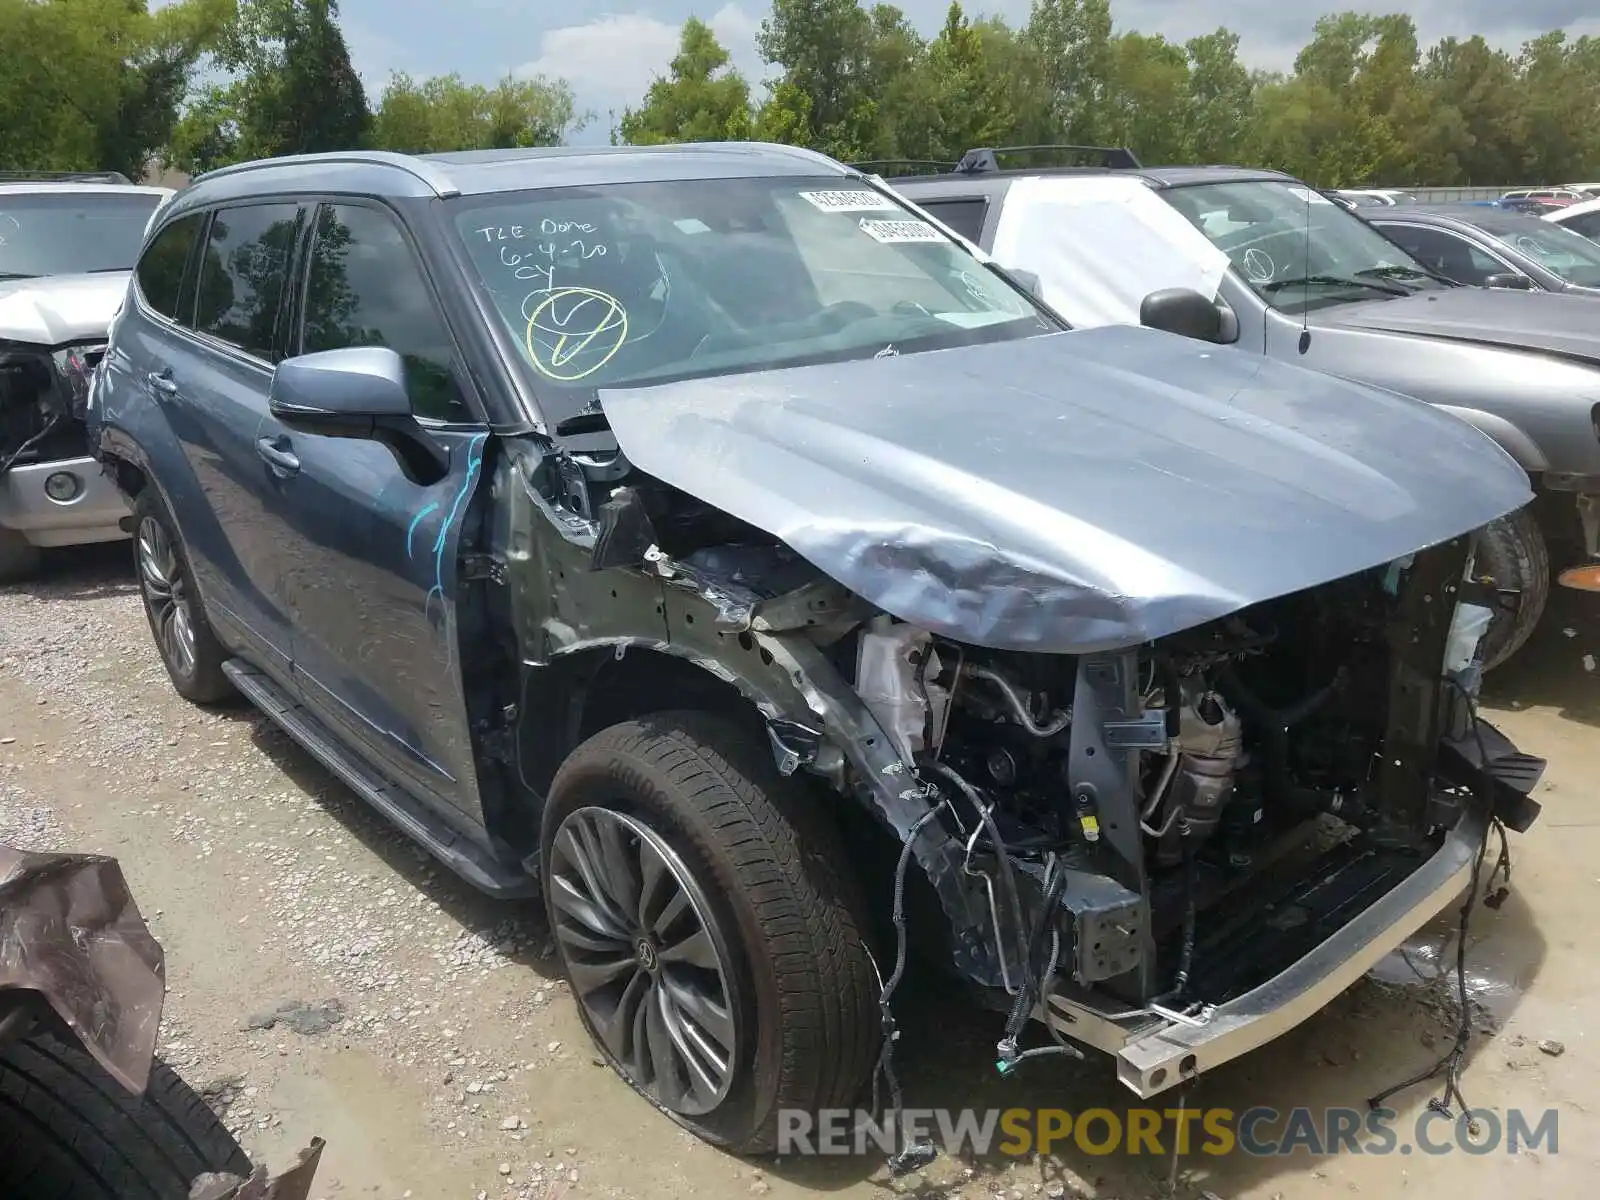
{"x":466,"y":858}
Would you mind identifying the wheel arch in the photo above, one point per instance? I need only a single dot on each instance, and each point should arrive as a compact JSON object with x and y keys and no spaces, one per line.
{"x":591,"y":686}
{"x":789,"y":698}
{"x":1511,"y":438}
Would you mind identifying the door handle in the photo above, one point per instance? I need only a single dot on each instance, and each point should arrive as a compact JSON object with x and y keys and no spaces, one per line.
{"x":278,"y":457}
{"x":163,"y":382}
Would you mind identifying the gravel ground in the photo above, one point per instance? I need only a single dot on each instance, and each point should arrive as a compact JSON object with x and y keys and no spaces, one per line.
{"x":326,"y":978}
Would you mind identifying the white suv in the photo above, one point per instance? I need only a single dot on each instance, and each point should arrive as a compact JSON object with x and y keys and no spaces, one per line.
{"x":67,"y":244}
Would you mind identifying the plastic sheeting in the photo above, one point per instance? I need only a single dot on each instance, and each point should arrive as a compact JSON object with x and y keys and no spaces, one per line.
{"x":1112,"y":238}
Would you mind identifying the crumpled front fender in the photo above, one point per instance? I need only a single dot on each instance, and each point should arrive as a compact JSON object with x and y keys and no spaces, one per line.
{"x":71,"y":932}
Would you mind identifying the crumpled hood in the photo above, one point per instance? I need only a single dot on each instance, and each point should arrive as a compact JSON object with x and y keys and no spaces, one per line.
{"x":57,"y":309}
{"x":1562,"y":323}
{"x":1073,"y":492}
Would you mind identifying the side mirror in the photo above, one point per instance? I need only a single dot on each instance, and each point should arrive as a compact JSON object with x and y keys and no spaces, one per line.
{"x":1510,"y":279}
{"x":1030,"y":281}
{"x":1182,"y":311}
{"x":348,"y":391}
{"x":357,"y":392}
{"x":1026,"y":280}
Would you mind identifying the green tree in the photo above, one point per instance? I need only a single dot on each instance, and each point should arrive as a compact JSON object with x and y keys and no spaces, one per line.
{"x":1560,"y":95}
{"x":446,"y":113}
{"x":1147,"y":103}
{"x":956,"y":95}
{"x":1072,"y":39}
{"x":96,"y":84}
{"x":1473,"y":131}
{"x":289,"y":89}
{"x":700,"y":100}
{"x":1221,"y":97}
{"x":826,"y":51}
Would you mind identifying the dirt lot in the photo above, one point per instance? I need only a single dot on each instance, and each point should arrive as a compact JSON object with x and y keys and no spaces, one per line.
{"x":456,"y":1068}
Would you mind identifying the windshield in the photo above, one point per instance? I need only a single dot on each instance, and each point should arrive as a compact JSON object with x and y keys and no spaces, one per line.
{"x":1559,"y":250}
{"x":68,"y":233}
{"x":1294,"y":246}
{"x":632,"y":284}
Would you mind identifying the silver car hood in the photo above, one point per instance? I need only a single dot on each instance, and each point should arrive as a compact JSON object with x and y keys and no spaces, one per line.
{"x":55,"y":310}
{"x":1072,"y":492}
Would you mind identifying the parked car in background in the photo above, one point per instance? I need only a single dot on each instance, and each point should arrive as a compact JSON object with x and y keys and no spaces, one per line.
{"x":1581,"y":218}
{"x":1490,"y":247}
{"x":1549,"y":196}
{"x":1375,"y":197}
{"x":1536,"y":208}
{"x":67,"y":243}
{"x":1590,"y":190}
{"x":1260,"y":261}
{"x":700,"y":537}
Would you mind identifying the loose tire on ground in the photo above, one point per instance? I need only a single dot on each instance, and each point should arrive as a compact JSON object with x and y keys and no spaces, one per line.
{"x":69,"y":1131}
{"x":203,"y":682}
{"x":771,"y":867}
{"x":19,"y":558}
{"x":1512,"y":552}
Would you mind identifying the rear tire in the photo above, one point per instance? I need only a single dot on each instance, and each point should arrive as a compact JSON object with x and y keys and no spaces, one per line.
{"x":1513,"y":554}
{"x":19,"y":558}
{"x":765,"y":867}
{"x":69,"y":1131}
{"x":184,"y":638}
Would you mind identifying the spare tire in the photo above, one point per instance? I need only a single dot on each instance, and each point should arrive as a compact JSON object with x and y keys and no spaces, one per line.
{"x":1512,"y":555}
{"x":69,"y":1131}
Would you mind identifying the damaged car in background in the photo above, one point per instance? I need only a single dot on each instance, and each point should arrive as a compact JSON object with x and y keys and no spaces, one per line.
{"x":699,"y":538}
{"x":1259,"y":262}
{"x":67,"y":243}
{"x":87,"y":1110}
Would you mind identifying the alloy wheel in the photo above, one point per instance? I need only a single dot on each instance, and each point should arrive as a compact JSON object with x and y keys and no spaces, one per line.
{"x":166,"y":595}
{"x":647,"y":960}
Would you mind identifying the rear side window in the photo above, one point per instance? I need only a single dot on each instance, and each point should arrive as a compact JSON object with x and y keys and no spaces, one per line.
{"x":242,"y":275}
{"x":1587,"y":224}
{"x":964,"y":216}
{"x":366,"y":288}
{"x":161,"y":268}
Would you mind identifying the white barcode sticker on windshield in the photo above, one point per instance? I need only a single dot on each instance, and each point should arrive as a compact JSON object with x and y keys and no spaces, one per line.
{"x":900,"y":231}
{"x":849,"y":201}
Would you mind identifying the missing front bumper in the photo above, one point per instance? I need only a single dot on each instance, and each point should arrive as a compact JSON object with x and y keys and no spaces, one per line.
{"x":1155,"y":1053}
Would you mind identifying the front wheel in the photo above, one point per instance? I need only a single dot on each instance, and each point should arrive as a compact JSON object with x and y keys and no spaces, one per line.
{"x":710,"y":938}
{"x":1513,"y":557}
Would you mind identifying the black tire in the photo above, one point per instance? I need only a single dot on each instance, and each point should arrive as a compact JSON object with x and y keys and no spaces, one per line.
{"x":69,"y":1131}
{"x":202,"y":681}
{"x":1513,"y":555}
{"x":19,"y":558}
{"x":769,"y":864}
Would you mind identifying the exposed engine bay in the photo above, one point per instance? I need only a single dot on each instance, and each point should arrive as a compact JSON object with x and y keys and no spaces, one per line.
{"x":1284,"y":765}
{"x":43,"y":393}
{"x":1261,"y":726}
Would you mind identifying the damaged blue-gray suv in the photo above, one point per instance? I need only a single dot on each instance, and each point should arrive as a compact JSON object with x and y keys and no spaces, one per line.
{"x":698,"y":538}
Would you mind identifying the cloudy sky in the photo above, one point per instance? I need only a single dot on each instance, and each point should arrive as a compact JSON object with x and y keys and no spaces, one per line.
{"x":609,"y":50}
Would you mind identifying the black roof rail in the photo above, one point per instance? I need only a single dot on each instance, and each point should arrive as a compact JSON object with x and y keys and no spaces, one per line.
{"x":64,"y":177}
{"x":985,"y":159}
{"x":931,"y":166}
